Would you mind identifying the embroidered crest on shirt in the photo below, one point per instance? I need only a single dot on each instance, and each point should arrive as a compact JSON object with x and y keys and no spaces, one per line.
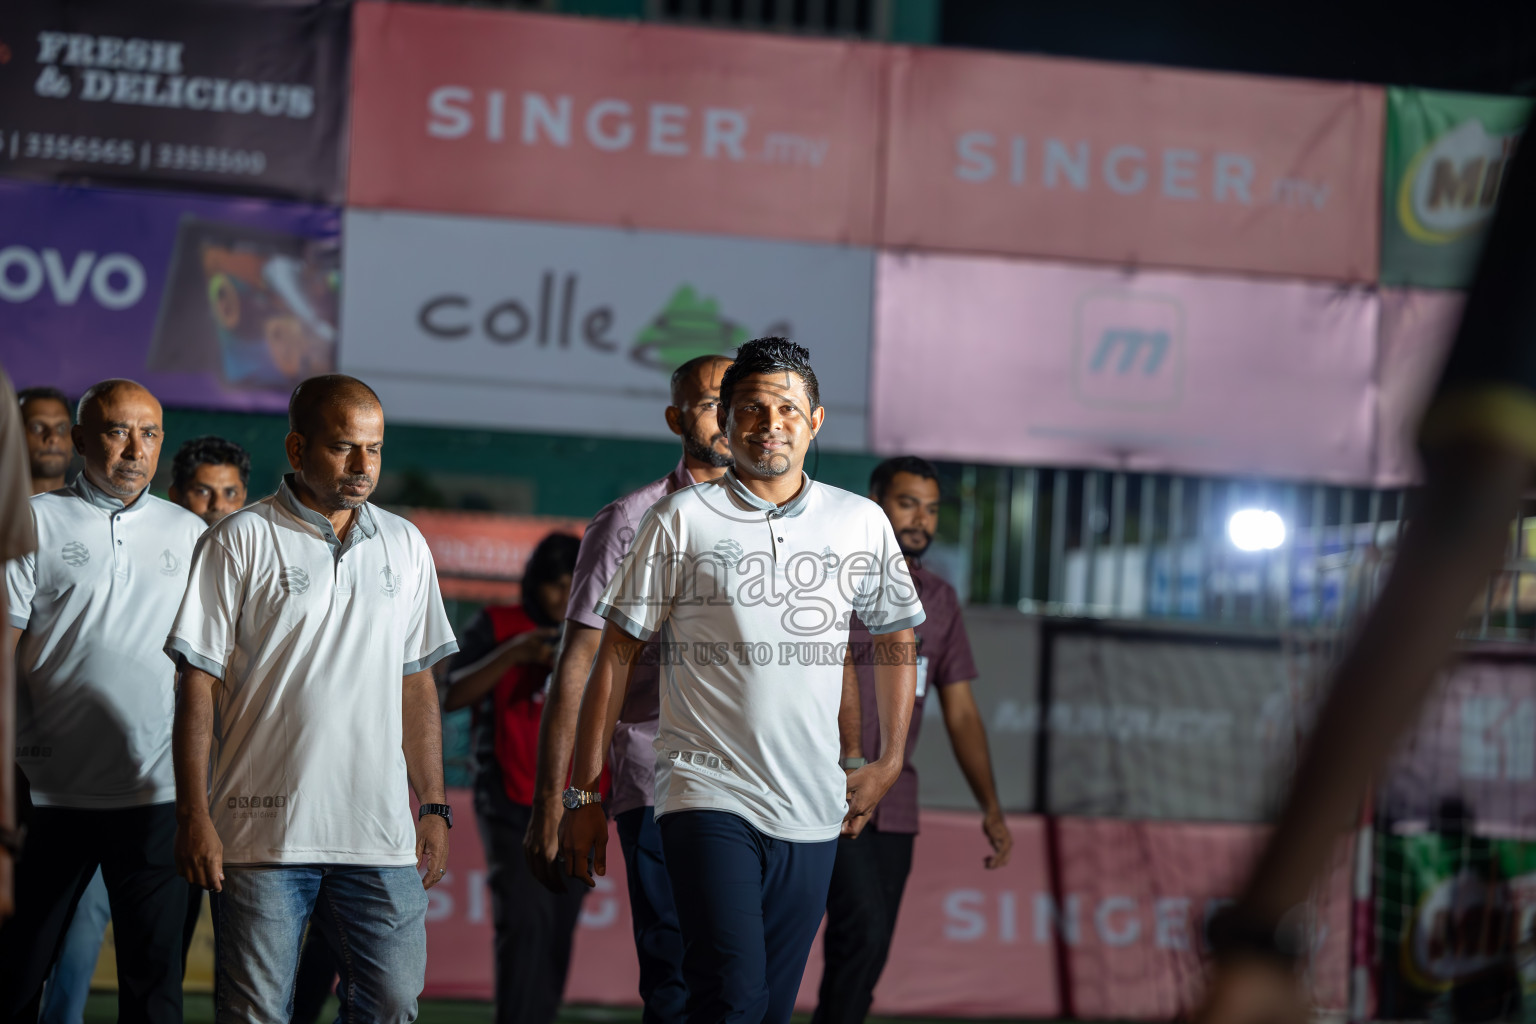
{"x":730,"y":552}
{"x":169,"y":563}
{"x":389,"y":583}
{"x":700,"y":759}
{"x":295,"y":580}
{"x":75,"y":554}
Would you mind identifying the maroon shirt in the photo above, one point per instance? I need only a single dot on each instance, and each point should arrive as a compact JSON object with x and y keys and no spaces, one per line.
{"x":944,"y":658}
{"x":632,"y":758}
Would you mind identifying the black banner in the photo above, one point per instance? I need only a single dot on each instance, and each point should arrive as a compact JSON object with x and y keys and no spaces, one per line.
{"x":246,"y":97}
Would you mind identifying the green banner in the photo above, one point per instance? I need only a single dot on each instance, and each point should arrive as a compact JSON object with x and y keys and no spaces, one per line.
{"x":1454,"y":928}
{"x":1445,"y":160}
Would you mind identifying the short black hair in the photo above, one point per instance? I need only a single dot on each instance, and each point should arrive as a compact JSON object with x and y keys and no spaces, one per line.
{"x":554,"y":557}
{"x":26,"y":395}
{"x":880,"y":479}
{"x":208,"y":451}
{"x":682,"y":373}
{"x":314,"y":394}
{"x":770,"y":355}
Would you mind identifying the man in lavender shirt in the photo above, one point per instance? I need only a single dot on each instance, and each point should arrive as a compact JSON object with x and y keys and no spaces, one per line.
{"x":870,"y":872}
{"x":659,"y":943}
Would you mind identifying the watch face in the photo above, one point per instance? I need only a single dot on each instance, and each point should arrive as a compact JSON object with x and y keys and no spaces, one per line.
{"x":571,"y":799}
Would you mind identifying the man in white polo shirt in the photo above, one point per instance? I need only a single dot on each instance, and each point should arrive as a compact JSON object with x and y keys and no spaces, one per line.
{"x":750,"y":582}
{"x":305,"y":643}
{"x":95,"y":701}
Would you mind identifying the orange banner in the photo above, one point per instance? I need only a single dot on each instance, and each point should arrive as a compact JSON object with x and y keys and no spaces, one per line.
{"x":601,"y":122}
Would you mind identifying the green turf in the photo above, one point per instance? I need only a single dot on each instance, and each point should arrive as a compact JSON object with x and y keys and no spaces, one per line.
{"x":102,"y":1009}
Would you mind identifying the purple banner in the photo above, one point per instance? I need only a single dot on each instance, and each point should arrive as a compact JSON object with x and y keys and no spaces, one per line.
{"x":1033,"y":363}
{"x":210,"y":303}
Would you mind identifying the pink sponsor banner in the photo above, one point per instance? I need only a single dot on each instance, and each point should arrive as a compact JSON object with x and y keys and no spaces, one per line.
{"x":605,"y":122}
{"x":1135,"y":899}
{"x":1022,"y":362}
{"x":969,"y":942}
{"x":1132,"y":165}
{"x":1417,"y":328}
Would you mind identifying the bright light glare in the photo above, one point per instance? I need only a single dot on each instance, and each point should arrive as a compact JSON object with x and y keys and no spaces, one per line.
{"x":1255,"y":529}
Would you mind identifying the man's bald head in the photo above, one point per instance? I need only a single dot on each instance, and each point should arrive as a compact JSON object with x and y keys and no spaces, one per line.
{"x":694,"y":372}
{"x":315,"y":397}
{"x":106,"y":392}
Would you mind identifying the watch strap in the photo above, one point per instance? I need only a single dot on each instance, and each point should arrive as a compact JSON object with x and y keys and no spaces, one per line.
{"x":443,"y":811}
{"x":849,"y":764}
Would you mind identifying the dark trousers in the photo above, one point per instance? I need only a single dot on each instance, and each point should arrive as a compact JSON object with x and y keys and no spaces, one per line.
{"x":133,"y":848}
{"x":534,"y":927}
{"x":658,"y":940}
{"x":868,"y":878}
{"x":749,"y":906}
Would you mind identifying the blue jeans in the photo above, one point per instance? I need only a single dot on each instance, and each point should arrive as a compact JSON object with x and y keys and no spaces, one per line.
{"x":374,"y":919}
{"x":70,"y":982}
{"x":749,"y":906}
{"x":658,"y":940}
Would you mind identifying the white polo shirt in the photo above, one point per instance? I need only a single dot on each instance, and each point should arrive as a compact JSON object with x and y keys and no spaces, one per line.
{"x":751,"y":603}
{"x":95,"y":697}
{"x":311,"y":638}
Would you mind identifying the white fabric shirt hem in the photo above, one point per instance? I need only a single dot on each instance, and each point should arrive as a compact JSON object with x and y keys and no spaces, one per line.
{"x":355,"y":860}
{"x":159,"y":795}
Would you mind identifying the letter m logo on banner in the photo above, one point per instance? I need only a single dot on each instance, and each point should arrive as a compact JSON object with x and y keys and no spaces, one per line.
{"x":1129,"y":350}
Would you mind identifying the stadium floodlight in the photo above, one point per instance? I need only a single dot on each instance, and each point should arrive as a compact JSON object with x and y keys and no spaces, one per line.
{"x":1256,"y":529}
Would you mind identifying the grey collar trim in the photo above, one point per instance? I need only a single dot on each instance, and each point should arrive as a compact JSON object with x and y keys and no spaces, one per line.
{"x":795,"y":506}
{"x":363,"y":528}
{"x":83,"y":488}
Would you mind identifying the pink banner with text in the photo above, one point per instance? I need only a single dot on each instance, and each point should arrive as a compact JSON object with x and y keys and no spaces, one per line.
{"x":1134,"y":166}
{"x":1013,"y":361}
{"x":606,"y":122}
{"x":1417,"y":328}
{"x":969,"y":942}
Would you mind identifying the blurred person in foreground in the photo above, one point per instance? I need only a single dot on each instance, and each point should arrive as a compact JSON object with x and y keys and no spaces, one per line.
{"x":18,"y":539}
{"x":45,"y":415}
{"x":658,"y":943}
{"x":94,"y":743}
{"x":1478,"y":439}
{"x":305,"y":709}
{"x":502,"y":671}
{"x":209,"y":476}
{"x":750,"y":581}
{"x":870,"y":872}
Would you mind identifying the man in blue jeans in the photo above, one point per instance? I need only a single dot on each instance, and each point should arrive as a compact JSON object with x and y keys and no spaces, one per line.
{"x":305,"y":705}
{"x":749,"y":582}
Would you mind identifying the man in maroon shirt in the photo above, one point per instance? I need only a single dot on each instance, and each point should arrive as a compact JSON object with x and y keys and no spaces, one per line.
{"x":871,"y":871}
{"x":658,"y":941}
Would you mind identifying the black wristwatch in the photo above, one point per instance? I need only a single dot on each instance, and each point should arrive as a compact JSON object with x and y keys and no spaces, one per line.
{"x":441,"y":810}
{"x":849,"y":764}
{"x":1231,"y":933}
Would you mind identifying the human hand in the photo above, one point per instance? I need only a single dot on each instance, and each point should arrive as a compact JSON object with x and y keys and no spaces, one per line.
{"x":995,"y":827}
{"x":542,"y":845}
{"x":866,"y":786}
{"x":199,"y":852}
{"x":431,"y":849}
{"x":584,"y":836}
{"x":1252,"y":990}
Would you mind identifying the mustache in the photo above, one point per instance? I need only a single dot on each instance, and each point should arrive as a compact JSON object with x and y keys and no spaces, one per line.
{"x":362,"y":478}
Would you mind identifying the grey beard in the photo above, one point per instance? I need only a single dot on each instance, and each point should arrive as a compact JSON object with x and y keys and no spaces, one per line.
{"x":773,"y":465}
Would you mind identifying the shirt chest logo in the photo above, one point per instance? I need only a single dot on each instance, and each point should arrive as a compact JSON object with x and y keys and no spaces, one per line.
{"x":75,"y":554}
{"x":170,"y":565}
{"x":389,"y":582}
{"x":295,"y":581}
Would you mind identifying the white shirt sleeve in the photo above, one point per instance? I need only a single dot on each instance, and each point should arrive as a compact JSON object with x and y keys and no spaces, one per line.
{"x":887,"y":601}
{"x":430,"y":637}
{"x":20,"y":586}
{"x":640,"y":596}
{"x":204,"y":630}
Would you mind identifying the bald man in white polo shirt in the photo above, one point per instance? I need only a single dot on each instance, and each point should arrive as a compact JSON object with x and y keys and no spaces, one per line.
{"x":95,"y":701}
{"x":305,"y":644}
{"x":750,"y":583}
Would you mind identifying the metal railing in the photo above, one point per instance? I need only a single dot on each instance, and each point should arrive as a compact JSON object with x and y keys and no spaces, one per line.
{"x":1157,"y":547}
{"x":862,"y":19}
